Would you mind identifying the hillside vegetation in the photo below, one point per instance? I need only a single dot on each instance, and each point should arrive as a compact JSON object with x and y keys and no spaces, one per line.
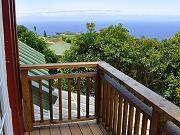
{"x":38,"y":43}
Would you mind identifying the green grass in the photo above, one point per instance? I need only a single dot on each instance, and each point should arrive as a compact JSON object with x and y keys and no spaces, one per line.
{"x":59,"y":47}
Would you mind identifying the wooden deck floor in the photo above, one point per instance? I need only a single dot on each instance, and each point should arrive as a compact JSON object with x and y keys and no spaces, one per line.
{"x":80,"y":128}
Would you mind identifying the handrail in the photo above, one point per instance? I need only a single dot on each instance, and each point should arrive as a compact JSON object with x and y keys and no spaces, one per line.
{"x":155,"y":100}
{"x":59,"y":65}
{"x":63,"y":76}
{"x":171,"y":129}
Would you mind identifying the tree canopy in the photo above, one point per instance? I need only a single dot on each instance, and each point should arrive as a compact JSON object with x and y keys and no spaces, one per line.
{"x":156,"y":64}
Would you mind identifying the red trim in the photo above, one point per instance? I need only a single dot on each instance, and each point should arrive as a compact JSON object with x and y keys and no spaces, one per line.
{"x":12,"y":64}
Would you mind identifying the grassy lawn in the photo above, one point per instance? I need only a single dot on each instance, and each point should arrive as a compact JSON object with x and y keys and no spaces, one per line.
{"x":59,"y":47}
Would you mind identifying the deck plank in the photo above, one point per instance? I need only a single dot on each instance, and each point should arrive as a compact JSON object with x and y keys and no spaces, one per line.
{"x":79,"y":128}
{"x":103,"y":129}
{"x":95,"y":128}
{"x":64,"y":128}
{"x":35,"y":131}
{"x":74,"y":128}
{"x":55,"y":130}
{"x":45,"y":131}
{"x":26,"y":133}
{"x":85,"y":129}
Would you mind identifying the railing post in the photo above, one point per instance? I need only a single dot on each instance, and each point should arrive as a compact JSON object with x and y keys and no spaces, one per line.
{"x":157,"y":122}
{"x":26,"y":100}
{"x":98,"y":95}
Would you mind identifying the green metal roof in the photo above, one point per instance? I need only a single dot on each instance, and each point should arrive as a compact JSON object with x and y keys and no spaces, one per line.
{"x":28,"y":55}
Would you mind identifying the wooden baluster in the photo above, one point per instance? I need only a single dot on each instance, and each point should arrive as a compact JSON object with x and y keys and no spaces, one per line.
{"x":78,"y":97}
{"x":50,"y":101}
{"x":104,"y":101}
{"x":32,"y":105}
{"x":60,"y":99}
{"x":111,"y":109}
{"x":40,"y":101}
{"x":107,"y":104}
{"x":101,"y":101}
{"x":137,"y":122}
{"x":130,"y":120}
{"x":125,"y":114}
{"x":144,"y":125}
{"x":120,"y":115}
{"x":115,"y":112}
{"x":26,"y":100}
{"x":87,"y":96}
{"x":69,"y":98}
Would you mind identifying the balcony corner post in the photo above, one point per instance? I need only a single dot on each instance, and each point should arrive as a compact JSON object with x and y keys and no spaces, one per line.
{"x":157,"y":123}
{"x":26,"y":100}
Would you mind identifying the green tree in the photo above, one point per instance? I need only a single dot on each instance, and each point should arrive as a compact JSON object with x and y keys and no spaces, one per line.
{"x":83,"y":48}
{"x":35,"y":30}
{"x":90,"y":27}
{"x":45,"y":34}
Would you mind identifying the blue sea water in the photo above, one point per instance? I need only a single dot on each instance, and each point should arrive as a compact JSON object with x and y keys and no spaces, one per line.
{"x":149,"y":29}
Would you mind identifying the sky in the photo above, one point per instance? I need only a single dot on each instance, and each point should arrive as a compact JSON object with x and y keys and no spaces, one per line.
{"x":78,"y":9}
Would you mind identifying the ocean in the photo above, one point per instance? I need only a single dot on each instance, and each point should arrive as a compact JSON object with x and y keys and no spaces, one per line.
{"x":149,"y":29}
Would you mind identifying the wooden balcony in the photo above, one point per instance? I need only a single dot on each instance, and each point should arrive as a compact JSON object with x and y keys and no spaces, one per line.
{"x":122,"y":105}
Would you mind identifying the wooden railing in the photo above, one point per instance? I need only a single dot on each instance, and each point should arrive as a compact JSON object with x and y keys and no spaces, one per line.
{"x":122,"y":105}
{"x":28,"y":99}
{"x":136,"y":109}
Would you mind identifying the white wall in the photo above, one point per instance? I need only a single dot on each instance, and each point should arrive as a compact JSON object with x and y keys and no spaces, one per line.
{"x":6,"y":120}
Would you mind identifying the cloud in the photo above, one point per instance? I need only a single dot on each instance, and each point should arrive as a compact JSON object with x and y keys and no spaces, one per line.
{"x":88,"y":12}
{"x":68,"y":12}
